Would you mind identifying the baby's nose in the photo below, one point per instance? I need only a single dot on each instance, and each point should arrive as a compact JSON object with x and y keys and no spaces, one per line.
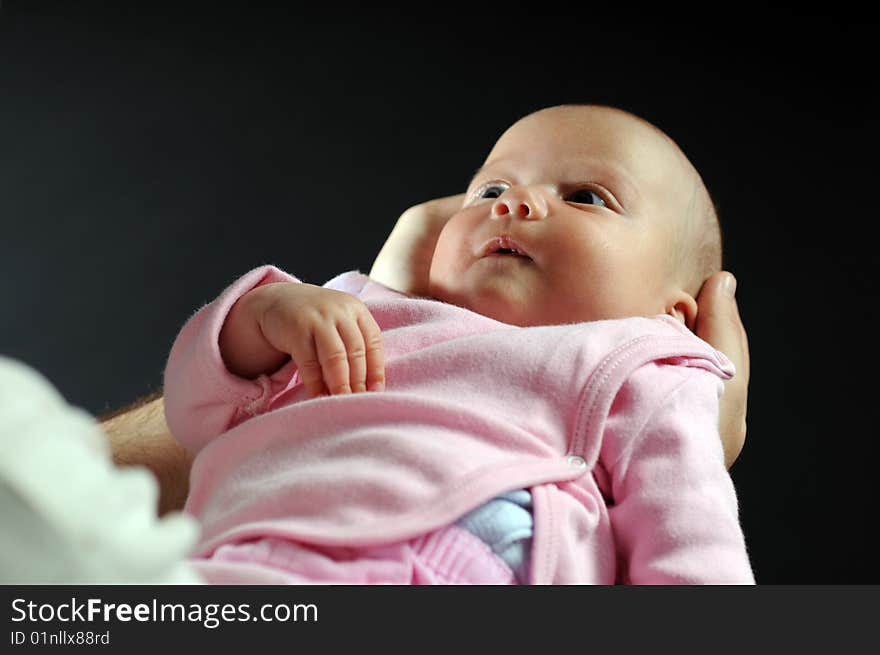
{"x":520,"y":202}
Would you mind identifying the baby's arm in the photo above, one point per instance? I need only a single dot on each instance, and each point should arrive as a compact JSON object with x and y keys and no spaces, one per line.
{"x":405,"y":259}
{"x":331,"y":336}
{"x":224,"y":365}
{"x":139,"y":433}
{"x":674,"y":511}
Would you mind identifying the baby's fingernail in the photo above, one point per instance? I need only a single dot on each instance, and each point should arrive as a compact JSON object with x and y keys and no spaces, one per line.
{"x":729,"y":286}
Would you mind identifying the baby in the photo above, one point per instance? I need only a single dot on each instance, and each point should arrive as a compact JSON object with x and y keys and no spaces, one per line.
{"x":544,"y":416}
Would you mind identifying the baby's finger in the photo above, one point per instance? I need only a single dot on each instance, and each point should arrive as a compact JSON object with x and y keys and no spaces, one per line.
{"x":334,"y":359}
{"x":305,"y":355}
{"x":375,"y":356}
{"x":355,"y":349}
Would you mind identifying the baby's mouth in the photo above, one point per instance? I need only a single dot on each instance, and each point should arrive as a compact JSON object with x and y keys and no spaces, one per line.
{"x":503,"y":246}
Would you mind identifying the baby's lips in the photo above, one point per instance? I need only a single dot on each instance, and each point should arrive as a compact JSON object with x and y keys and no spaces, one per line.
{"x":503,"y":242}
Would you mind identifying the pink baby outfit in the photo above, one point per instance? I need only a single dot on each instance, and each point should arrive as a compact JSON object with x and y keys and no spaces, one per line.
{"x":611,"y":425}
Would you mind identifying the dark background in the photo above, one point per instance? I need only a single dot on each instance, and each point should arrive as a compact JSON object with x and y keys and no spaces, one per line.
{"x":148,"y":157}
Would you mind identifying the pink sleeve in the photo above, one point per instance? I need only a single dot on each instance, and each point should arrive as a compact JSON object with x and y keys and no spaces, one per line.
{"x":674,"y":512}
{"x":202,"y":398}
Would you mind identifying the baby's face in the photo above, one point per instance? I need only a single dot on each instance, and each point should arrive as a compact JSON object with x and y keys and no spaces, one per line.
{"x":570,"y":219}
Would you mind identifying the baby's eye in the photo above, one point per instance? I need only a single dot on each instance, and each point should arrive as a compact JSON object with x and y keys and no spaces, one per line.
{"x":492,"y":191}
{"x":586,"y":197}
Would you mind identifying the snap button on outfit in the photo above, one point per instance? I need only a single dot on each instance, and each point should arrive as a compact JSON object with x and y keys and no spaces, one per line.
{"x":576,"y":461}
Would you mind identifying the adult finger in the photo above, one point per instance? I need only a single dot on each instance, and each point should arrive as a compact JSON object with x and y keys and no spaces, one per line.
{"x":719,"y":323}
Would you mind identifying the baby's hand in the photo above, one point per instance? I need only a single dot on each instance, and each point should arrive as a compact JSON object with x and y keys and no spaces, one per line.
{"x":331,"y":336}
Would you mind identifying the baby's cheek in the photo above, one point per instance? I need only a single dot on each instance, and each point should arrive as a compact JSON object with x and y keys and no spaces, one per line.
{"x":446,"y":254}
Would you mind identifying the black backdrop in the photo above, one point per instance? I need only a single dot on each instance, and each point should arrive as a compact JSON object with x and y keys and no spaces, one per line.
{"x":149,"y":156}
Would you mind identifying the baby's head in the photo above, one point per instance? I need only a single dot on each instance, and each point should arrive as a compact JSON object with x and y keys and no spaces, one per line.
{"x":580,"y":213}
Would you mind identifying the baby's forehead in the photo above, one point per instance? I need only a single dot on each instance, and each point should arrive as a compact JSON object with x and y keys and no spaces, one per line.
{"x":602,"y":130}
{"x":569,"y":135}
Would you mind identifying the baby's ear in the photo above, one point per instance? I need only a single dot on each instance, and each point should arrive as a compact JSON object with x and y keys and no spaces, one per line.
{"x":683,"y":308}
